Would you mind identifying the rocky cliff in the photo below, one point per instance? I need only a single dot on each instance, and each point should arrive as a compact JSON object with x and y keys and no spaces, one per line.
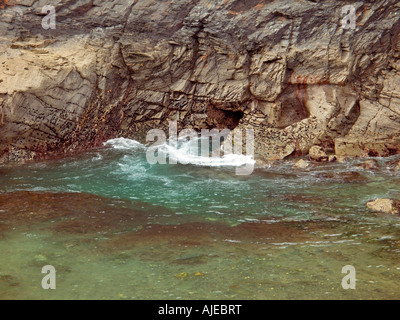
{"x":287,"y":69}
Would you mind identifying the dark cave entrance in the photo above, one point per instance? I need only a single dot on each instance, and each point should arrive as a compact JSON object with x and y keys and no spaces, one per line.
{"x":223,"y":119}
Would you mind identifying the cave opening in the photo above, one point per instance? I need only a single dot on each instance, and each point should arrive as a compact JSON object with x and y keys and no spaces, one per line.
{"x":223,"y":119}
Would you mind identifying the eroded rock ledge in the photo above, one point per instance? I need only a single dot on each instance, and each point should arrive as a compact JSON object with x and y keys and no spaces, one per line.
{"x":287,"y":69}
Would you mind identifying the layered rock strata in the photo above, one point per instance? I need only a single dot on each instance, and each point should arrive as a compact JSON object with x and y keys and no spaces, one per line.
{"x":289,"y":70}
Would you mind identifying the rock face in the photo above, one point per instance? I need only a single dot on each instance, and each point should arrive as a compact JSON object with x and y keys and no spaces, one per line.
{"x":289,"y":70}
{"x":388,"y":206}
{"x":318,"y":154}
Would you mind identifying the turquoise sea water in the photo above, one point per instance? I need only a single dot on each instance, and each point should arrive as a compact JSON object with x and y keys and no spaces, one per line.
{"x":116,"y":227}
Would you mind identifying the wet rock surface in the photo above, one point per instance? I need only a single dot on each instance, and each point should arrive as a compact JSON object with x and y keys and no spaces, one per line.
{"x":318,"y":154}
{"x":287,"y":69}
{"x":369,"y":164}
{"x":301,"y":164}
{"x":388,"y":206}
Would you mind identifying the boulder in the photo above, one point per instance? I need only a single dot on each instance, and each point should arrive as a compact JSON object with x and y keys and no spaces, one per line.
{"x":318,"y":154}
{"x":388,"y":206}
{"x":302,"y":164}
{"x":332,"y":158}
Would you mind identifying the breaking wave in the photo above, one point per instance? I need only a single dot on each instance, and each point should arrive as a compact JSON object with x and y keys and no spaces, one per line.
{"x":186,"y":152}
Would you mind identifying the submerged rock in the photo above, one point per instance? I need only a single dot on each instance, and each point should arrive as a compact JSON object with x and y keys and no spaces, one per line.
{"x":369,"y":164}
{"x":6,"y":277}
{"x":388,"y":206}
{"x":199,"y":274}
{"x":182,"y":275}
{"x":347,"y":177}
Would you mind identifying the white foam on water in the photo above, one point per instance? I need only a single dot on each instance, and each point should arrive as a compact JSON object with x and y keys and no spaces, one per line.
{"x":97,"y":157}
{"x":187,"y":152}
{"x":186,"y":155}
{"x":124,"y":144}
